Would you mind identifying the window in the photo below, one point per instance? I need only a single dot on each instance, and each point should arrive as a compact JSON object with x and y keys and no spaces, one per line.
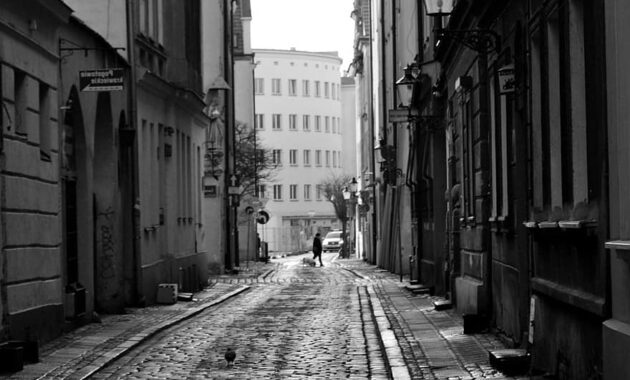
{"x":564,"y":168}
{"x":259,"y":86}
{"x":334,"y":125}
{"x":292,"y":122}
{"x":339,"y":125}
{"x":276,"y":156}
{"x":334,"y":159}
{"x":275,"y":86}
{"x":277,"y":192}
{"x":328,"y":158}
{"x":327,"y":124}
{"x":151,"y":19}
{"x":44,"y":122}
{"x":307,"y":157}
{"x":319,"y":191}
{"x":293,"y":157}
{"x":326,"y":90}
{"x":318,"y":157}
{"x":306,"y":122}
{"x":333,"y":87}
{"x":292,"y":87}
{"x":318,"y":90}
{"x":21,"y":94}
{"x":306,"y":88}
{"x":259,"y":121}
{"x":318,"y":123}
{"x":307,"y":192}
{"x":276,"y":118}
{"x":261,"y":191}
{"x":293,"y":192}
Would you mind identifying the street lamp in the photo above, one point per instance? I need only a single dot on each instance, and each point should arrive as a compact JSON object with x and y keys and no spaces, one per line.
{"x":480,"y":40}
{"x":404,"y":86}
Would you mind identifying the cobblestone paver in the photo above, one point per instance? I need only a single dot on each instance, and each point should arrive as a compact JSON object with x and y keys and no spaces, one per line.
{"x":304,"y":322}
{"x":348,"y":319}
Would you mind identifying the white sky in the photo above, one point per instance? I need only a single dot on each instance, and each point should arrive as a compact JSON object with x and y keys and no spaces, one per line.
{"x":309,"y":25}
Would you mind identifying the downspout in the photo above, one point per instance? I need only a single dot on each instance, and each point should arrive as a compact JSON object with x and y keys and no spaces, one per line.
{"x":395,"y":219}
{"x":383,"y":127}
{"x":132,"y":122}
{"x":228,"y":127}
{"x":232,"y":121}
{"x":372,"y":154}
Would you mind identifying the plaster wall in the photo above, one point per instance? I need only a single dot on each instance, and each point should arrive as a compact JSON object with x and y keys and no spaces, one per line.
{"x":311,"y":66}
{"x":616,"y":330}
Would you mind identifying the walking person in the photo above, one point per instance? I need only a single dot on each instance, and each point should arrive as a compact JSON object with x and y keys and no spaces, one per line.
{"x":317,"y":248}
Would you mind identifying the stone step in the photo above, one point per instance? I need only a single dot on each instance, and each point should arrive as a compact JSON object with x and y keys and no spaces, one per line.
{"x":442,"y":305}
{"x":511,"y":361}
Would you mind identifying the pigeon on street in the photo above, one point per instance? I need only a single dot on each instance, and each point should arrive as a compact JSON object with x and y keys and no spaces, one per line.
{"x":230,"y":355}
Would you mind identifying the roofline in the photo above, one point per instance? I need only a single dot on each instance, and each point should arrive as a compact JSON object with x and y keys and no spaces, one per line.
{"x":328,"y":55}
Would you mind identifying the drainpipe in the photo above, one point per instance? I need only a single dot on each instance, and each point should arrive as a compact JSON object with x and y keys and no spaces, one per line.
{"x":131,"y":124}
{"x":227,"y":135}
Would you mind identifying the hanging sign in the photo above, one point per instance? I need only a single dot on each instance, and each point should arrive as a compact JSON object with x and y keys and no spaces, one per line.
{"x":506,"y":79}
{"x":102,"y":80}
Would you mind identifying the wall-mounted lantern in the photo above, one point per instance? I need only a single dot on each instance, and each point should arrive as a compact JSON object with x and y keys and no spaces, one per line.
{"x":480,"y":40}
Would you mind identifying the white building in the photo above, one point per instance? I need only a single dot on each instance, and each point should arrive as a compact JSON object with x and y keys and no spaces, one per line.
{"x":299,"y":117}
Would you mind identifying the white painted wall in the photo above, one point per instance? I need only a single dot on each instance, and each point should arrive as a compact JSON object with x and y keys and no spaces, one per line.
{"x":299,"y":65}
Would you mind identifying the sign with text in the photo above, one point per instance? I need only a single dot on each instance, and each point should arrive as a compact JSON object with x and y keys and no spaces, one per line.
{"x":102,"y":80}
{"x":401,"y":115}
{"x":507,"y":83}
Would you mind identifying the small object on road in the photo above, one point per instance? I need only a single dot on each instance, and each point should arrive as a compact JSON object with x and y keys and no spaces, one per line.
{"x":230,"y":355}
{"x":308,"y":261}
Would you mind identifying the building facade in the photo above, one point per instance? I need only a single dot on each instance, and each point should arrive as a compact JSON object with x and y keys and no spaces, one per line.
{"x":506,"y":168}
{"x":32,"y":279}
{"x":298,"y":118}
{"x":112,"y":196}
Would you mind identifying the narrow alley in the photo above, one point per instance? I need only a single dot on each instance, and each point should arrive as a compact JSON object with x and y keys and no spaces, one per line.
{"x":284,"y":319}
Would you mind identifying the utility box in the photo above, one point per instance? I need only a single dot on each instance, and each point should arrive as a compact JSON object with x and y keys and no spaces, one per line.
{"x":167,"y":294}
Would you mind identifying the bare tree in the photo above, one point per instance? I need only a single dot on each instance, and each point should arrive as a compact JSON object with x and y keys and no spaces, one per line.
{"x":254,"y":162}
{"x":333,"y":188}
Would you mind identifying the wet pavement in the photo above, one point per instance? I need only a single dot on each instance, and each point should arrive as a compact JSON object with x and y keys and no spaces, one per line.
{"x":347,"y":319}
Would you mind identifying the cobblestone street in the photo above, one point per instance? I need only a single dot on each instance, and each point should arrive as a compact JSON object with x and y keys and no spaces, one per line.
{"x":347,"y":319}
{"x":305,"y":322}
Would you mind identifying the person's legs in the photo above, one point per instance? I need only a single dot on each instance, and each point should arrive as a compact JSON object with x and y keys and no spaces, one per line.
{"x":320,"y":260}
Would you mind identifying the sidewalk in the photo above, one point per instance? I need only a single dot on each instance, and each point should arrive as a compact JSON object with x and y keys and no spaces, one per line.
{"x":433,"y":342}
{"x":86,"y":349}
{"x":419,"y":341}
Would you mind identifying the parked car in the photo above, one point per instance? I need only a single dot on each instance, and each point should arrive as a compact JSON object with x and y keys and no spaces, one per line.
{"x":333,"y":241}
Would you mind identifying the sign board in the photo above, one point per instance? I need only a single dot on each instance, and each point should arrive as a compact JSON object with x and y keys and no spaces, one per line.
{"x":234,"y":190}
{"x":263,"y":217}
{"x":210,"y":191}
{"x":401,"y":115}
{"x":507,"y":83}
{"x":102,"y":80}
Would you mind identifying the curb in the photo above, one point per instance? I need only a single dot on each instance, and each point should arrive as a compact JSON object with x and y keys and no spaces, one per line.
{"x":393,"y":353}
{"x":141,"y":337}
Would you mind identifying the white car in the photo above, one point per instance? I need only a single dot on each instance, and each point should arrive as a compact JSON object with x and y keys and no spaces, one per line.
{"x":332,"y":242}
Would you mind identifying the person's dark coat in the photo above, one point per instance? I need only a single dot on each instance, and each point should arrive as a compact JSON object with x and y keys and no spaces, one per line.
{"x":317,"y":245}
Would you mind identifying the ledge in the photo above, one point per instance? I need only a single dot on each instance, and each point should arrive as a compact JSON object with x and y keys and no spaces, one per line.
{"x":578,"y":298}
{"x":620,"y":247}
{"x":562,"y":224}
{"x":547,"y":225}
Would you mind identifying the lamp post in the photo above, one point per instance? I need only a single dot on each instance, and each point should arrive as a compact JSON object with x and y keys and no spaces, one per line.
{"x":353,"y":187}
{"x":346,"y":198}
{"x":480,"y":40}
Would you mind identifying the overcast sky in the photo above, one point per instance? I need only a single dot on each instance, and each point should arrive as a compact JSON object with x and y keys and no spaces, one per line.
{"x":310,"y":25}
